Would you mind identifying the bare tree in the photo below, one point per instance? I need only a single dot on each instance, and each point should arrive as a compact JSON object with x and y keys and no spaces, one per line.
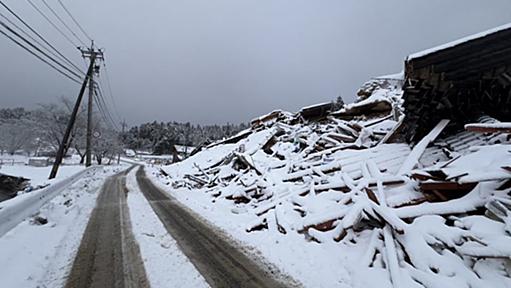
{"x":106,"y":145}
{"x":16,"y":134}
{"x":50,"y":121}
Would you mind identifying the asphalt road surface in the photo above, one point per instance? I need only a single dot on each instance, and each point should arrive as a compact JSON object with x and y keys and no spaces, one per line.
{"x":108,"y":255}
{"x":219,"y":261}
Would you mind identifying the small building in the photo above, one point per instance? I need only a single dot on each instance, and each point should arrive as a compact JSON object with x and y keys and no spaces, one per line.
{"x":130,"y":153}
{"x":39,"y":161}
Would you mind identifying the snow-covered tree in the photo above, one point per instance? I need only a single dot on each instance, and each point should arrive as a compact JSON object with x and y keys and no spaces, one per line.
{"x":16,"y":134}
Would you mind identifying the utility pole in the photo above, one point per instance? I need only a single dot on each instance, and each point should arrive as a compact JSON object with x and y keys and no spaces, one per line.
{"x":123,"y":126}
{"x":70,"y":124}
{"x":93,"y":54}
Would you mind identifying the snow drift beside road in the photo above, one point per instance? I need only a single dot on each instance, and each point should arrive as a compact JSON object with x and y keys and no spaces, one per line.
{"x":33,"y":255}
{"x":15,"y":210}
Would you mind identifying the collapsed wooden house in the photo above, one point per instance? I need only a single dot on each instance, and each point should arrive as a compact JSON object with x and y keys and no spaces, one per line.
{"x":336,"y":177}
{"x":461,"y":81}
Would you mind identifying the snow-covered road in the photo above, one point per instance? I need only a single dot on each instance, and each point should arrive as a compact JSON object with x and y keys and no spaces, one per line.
{"x":115,"y":228}
{"x":109,"y":255}
{"x":220,"y":262}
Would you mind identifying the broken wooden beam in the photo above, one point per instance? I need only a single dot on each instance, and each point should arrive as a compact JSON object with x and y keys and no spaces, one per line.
{"x":489,"y":128}
{"x":196,"y":179}
{"x":446,"y":186}
{"x":418,"y":150}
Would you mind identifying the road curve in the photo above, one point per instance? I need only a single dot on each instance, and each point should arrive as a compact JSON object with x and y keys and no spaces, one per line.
{"x":220,"y":262}
{"x":108,"y":255}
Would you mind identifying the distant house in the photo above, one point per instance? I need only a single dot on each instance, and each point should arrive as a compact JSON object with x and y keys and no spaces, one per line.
{"x":130,"y":153}
{"x":184,"y":151}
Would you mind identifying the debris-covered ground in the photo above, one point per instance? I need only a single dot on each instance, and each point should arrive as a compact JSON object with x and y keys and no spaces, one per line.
{"x":322,"y":190}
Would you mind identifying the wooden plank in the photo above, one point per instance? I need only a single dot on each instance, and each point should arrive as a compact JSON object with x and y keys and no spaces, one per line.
{"x":489,"y":128}
{"x":418,"y":150}
{"x":446,"y":185}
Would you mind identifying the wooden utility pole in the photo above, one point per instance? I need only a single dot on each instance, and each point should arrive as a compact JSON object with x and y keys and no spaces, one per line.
{"x":88,"y":149}
{"x":123,"y":125}
{"x":70,"y":124}
{"x":93,"y":55}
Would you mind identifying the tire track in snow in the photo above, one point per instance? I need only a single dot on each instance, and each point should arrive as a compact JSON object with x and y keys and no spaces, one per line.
{"x":109,"y":255}
{"x":220,"y":262}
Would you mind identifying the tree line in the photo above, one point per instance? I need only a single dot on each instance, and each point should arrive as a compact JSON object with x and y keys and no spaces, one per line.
{"x":159,"y":137}
{"x":39,"y":132}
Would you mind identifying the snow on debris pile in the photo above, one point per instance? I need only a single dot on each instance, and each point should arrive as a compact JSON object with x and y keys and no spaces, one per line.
{"x":10,"y":185}
{"x":378,"y":96}
{"x":444,"y":224}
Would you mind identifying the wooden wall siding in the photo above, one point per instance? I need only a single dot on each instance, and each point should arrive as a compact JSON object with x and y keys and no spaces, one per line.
{"x":460,"y":83}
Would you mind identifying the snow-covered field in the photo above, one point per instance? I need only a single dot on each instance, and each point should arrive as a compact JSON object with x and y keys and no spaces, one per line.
{"x":35,"y":255}
{"x":38,"y":176}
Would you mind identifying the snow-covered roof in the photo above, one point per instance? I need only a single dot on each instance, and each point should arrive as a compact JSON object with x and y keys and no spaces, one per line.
{"x":459,"y":41}
{"x":396,"y":76}
{"x":315,"y":105}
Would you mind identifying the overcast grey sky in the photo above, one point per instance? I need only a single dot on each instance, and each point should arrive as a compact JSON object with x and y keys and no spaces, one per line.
{"x":217,"y":61}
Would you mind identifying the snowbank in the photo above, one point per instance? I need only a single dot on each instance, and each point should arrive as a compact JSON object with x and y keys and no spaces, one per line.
{"x":15,"y":210}
{"x":33,"y":255}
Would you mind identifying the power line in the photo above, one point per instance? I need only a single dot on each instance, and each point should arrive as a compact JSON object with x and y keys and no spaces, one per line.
{"x":61,"y":58}
{"x":62,"y":21}
{"x":103,"y":110}
{"x":105,"y":106}
{"x":38,"y":35}
{"x":100,"y":107}
{"x":102,"y":102}
{"x":40,"y":58}
{"x":100,"y":86}
{"x":74,"y":20}
{"x":52,"y":24}
{"x":38,"y":50}
{"x":111,"y":94}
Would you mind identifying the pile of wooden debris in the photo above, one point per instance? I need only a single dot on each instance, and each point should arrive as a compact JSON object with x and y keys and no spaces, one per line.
{"x":11,"y":185}
{"x":437,"y":215}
